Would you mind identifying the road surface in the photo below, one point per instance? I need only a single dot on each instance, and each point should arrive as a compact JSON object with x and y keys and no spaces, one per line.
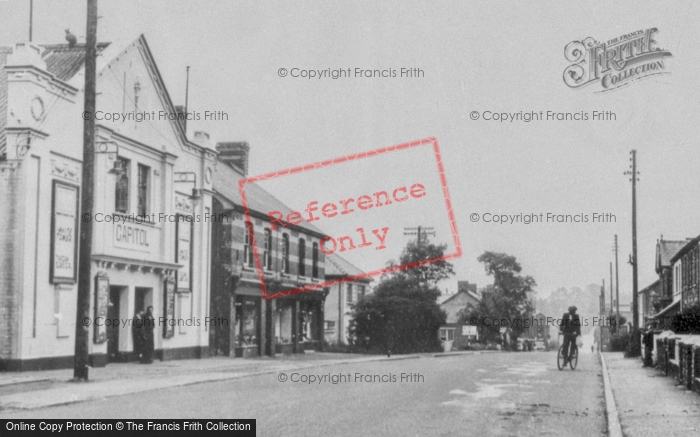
{"x":489,"y":394}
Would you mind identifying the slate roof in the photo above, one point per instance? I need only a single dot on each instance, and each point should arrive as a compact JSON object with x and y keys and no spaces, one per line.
{"x":671,"y":252}
{"x":259,"y":200}
{"x":445,"y":297}
{"x":452,"y":311}
{"x":64,"y":62}
{"x":337,"y":266}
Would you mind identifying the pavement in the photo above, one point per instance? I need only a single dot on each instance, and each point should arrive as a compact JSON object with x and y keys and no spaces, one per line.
{"x":646,"y":402}
{"x":40,"y":389}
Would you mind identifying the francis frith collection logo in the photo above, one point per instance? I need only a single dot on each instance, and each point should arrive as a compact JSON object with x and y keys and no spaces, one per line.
{"x":615,"y":63}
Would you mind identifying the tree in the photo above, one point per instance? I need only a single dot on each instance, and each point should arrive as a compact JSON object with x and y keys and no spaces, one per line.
{"x":505,"y":300}
{"x":402,"y":315}
{"x":422,"y":255}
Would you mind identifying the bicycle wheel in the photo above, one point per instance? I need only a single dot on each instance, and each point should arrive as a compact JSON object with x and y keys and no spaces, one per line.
{"x":574,"y":359}
{"x":560,"y":358}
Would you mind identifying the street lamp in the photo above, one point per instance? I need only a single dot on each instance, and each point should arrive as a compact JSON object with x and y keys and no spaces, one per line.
{"x":103,"y":147}
{"x":190,"y":176}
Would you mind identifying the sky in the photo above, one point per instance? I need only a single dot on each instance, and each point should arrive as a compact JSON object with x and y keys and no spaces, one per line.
{"x":475,"y":56}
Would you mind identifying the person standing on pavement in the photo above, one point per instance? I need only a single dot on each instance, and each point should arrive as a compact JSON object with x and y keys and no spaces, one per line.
{"x":149,"y":325}
{"x":571,"y":328}
{"x":137,"y":332}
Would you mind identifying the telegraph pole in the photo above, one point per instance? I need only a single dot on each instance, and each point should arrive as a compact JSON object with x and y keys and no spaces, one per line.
{"x":617,"y":284}
{"x":611,"y":286}
{"x":635,"y":342}
{"x":82,"y":331}
{"x":31,"y":18}
{"x":187,"y":95}
{"x":417,"y":231}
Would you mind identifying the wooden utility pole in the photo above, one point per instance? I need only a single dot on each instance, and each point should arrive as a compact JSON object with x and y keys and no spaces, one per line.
{"x":617,"y":284}
{"x":612,"y":302}
{"x":611,"y":286}
{"x":82,"y":324}
{"x":417,"y":231}
{"x":31,"y":18}
{"x":187,"y":96}
{"x":635,"y":341}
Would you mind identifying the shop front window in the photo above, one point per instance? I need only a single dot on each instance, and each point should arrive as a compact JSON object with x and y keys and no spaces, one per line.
{"x":308,"y":333}
{"x":247,"y":323}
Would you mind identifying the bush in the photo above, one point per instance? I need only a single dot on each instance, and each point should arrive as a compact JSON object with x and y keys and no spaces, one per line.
{"x":619,"y":342}
{"x":687,"y":322}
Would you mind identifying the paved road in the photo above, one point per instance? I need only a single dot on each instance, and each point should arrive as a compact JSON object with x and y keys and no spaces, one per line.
{"x":512,"y":394}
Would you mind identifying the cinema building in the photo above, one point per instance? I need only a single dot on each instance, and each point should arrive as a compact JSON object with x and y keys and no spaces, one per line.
{"x":289,"y":256}
{"x":152,"y":210}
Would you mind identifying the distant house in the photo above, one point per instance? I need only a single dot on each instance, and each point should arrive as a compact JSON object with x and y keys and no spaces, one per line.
{"x":454,"y":335}
{"x":686,"y":288}
{"x":647,"y":297}
{"x":340,"y":298}
{"x":668,"y":302}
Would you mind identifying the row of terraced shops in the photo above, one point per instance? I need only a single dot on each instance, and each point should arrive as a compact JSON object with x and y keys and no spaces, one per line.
{"x":667,"y":347}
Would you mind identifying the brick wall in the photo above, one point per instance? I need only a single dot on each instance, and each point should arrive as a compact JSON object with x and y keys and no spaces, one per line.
{"x":10,"y":173}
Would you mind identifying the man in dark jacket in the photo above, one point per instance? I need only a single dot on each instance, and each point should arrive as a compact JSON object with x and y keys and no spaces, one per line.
{"x":149,"y":325}
{"x":138,"y":332}
{"x":571,"y":328}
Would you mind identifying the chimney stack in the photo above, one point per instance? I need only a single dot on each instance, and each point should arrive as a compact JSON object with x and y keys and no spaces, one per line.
{"x":235,"y":155}
{"x":201,"y":138}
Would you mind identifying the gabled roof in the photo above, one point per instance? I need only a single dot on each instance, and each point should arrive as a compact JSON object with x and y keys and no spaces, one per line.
{"x":452,"y":311}
{"x":650,"y":287}
{"x":340,"y":267}
{"x":444,"y":298}
{"x":689,"y":244}
{"x":259,"y":200}
{"x":63,"y":61}
{"x":666,"y":250}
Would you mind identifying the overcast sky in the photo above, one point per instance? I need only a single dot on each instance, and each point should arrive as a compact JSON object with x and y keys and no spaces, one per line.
{"x":476,"y":56}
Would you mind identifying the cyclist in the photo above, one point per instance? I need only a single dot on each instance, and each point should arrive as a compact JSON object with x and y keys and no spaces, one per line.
{"x":571,"y":328}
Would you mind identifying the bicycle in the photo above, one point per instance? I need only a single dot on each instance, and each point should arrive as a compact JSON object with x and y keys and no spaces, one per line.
{"x":573,"y":359}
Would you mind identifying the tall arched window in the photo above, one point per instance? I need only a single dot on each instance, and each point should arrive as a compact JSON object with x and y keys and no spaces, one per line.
{"x":121,"y":194}
{"x":302,"y":257}
{"x":285,"y":253}
{"x":314,"y":260}
{"x":248,"y":248}
{"x":267,"y":255}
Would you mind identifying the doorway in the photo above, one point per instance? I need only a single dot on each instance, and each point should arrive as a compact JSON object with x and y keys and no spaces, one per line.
{"x":142,"y":299}
{"x":113,"y":331}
